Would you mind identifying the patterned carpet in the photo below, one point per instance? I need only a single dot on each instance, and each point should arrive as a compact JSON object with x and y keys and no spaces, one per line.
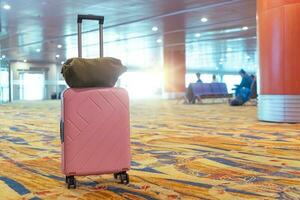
{"x":179,"y":152}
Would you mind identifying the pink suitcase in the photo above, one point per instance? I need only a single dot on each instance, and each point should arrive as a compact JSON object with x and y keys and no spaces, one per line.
{"x":95,"y":133}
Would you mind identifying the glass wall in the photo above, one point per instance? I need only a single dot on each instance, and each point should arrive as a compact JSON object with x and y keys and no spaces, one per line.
{"x":4,"y":82}
{"x":142,"y":84}
{"x":32,"y":86}
{"x":230,"y":80}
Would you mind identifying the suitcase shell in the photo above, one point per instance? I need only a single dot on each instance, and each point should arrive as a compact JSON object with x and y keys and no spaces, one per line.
{"x":95,"y":131}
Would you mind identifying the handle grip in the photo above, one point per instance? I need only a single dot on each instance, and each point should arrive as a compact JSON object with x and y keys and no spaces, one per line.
{"x":100,"y":19}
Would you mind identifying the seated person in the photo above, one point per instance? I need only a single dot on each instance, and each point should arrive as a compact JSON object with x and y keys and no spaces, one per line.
{"x":214,"y":79}
{"x":245,"y":83}
{"x":243,"y":96}
{"x":243,"y":90}
{"x":190,"y":97}
{"x":198,"y":78}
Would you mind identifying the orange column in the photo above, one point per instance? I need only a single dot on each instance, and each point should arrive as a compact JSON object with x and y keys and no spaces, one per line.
{"x":174,"y":71}
{"x":279,"y":51}
{"x":174,"y":57}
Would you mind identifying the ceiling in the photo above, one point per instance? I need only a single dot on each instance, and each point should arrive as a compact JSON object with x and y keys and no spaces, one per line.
{"x":223,"y":44}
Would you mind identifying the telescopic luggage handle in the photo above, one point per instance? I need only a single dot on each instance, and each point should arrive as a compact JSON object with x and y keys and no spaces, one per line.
{"x":100,"y":19}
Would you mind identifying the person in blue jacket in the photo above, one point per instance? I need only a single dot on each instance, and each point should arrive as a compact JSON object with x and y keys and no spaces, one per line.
{"x":243,"y":90}
{"x":245,"y":83}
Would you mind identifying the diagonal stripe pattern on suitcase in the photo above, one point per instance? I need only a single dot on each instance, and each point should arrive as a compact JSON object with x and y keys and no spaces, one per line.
{"x":96,"y":131}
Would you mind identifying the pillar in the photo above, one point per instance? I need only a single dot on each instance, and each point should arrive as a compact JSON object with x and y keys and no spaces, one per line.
{"x":279,"y":47}
{"x":174,"y":57}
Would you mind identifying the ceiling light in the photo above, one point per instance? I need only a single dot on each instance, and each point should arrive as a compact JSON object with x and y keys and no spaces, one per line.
{"x":24,"y":60}
{"x":221,"y":59}
{"x":245,"y":28}
{"x":220,"y":63}
{"x":59,"y":46}
{"x":7,"y":7}
{"x":229,"y":49}
{"x":197,"y":35}
{"x":159,"y":41}
{"x":62,"y":62}
{"x":38,"y":50}
{"x":204,"y":19}
{"x":3,"y":56}
{"x":155,"y":28}
{"x":248,"y":57}
{"x":57,"y":56}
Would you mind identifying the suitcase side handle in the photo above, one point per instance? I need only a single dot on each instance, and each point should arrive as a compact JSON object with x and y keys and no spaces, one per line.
{"x":62,"y":136}
{"x":100,"y":19}
{"x":80,"y":18}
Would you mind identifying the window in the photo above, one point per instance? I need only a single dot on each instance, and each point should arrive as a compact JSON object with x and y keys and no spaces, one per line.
{"x":192,"y":78}
{"x":32,"y":86}
{"x":4,"y":85}
{"x":142,"y":84}
{"x":231,"y":81}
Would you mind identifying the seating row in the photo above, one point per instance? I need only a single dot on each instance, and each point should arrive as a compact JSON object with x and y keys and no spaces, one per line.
{"x":210,"y":90}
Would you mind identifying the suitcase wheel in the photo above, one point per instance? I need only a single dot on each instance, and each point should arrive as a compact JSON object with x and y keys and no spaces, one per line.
{"x":116,"y":175}
{"x":123,"y":176}
{"x":71,"y":181}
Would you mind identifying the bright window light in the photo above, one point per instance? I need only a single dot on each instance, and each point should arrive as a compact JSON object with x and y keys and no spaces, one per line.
{"x":192,"y":78}
{"x":33,"y":85}
{"x":231,"y":81}
{"x":142,"y":84}
{"x":4,"y":86}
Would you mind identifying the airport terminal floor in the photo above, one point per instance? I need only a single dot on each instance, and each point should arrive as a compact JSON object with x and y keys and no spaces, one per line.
{"x":209,"y":151}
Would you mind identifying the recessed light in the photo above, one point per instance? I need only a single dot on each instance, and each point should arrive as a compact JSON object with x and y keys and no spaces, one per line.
{"x":62,"y":62}
{"x":59,"y":46}
{"x":197,"y":35}
{"x":38,"y":50}
{"x":204,"y":19}
{"x":24,"y":60}
{"x":245,"y":28}
{"x":7,"y":7}
{"x":155,"y":28}
{"x":229,"y":49}
{"x":57,"y":56}
{"x":159,"y":41}
{"x":3,"y":56}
